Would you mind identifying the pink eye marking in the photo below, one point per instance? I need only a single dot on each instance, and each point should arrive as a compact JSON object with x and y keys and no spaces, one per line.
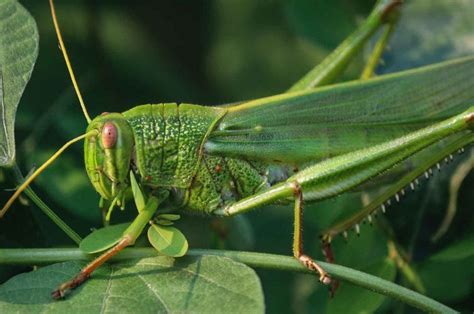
{"x":109,"y":135}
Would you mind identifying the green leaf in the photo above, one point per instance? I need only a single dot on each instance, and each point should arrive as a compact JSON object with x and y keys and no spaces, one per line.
{"x":103,"y":238}
{"x":172,"y":217}
{"x":18,"y":52}
{"x":151,"y":285}
{"x":458,"y":251}
{"x":167,"y":240}
{"x":447,"y":280}
{"x":137,"y":193}
{"x":451,"y":268}
{"x":163,"y":222}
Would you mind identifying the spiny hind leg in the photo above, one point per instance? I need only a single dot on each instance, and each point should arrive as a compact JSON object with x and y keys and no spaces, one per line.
{"x":298,"y":251}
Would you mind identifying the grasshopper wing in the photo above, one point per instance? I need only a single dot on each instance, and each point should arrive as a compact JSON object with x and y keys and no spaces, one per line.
{"x":324,"y":122}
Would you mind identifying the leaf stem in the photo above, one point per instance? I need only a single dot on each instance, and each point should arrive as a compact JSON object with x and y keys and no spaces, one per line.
{"x":45,"y":209}
{"x":259,"y":260}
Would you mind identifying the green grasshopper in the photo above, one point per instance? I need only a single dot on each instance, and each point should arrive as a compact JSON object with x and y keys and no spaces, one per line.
{"x":306,"y":145}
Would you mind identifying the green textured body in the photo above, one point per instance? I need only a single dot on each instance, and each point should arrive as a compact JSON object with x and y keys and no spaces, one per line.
{"x":205,"y":156}
{"x":169,"y":155}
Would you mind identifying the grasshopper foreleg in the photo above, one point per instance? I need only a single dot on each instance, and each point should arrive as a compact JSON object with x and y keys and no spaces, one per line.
{"x":128,"y":238}
{"x":86,"y":272}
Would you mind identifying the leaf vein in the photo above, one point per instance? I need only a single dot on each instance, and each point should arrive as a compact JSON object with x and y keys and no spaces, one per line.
{"x":150,"y":286}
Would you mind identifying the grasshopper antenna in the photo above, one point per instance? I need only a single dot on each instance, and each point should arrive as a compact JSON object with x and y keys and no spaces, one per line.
{"x":68,"y":63}
{"x":27,"y":182}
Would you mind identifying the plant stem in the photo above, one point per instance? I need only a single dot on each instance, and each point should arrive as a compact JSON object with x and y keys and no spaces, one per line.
{"x":260,"y":260}
{"x":45,"y":209}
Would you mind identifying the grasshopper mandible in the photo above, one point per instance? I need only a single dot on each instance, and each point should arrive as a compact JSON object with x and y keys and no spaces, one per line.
{"x":224,"y":161}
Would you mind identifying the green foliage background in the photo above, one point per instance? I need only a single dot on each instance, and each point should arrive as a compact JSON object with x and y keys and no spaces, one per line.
{"x":214,"y":52}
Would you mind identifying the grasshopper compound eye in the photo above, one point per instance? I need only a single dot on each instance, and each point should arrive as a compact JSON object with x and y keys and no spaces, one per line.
{"x":109,"y":135}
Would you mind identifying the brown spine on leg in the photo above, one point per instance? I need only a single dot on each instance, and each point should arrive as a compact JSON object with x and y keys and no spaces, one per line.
{"x":86,"y":272}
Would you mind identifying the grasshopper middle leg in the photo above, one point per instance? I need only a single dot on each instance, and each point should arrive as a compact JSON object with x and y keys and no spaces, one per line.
{"x":298,"y":253}
{"x":344,"y":172}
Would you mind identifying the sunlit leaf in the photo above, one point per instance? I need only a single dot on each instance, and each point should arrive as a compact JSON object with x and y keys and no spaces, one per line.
{"x":18,"y":52}
{"x":103,"y":238}
{"x":167,"y":240}
{"x":153,"y":285}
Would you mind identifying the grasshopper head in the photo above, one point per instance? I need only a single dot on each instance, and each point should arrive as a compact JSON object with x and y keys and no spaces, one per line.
{"x":108,"y":155}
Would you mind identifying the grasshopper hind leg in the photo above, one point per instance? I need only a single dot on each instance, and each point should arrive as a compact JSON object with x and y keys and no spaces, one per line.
{"x":298,"y":253}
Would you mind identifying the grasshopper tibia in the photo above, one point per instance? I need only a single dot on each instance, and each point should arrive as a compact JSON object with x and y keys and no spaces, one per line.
{"x":307,"y":261}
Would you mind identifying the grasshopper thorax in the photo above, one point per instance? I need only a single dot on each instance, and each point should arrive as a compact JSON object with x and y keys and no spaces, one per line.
{"x":108,"y":155}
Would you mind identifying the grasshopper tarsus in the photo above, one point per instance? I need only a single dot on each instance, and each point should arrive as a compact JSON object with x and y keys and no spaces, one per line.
{"x":70,"y":285}
{"x":309,"y":263}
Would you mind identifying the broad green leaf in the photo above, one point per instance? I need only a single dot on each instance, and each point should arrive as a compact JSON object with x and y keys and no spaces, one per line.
{"x":448,"y":280}
{"x":167,"y":240}
{"x":137,"y":193}
{"x":461,"y":250}
{"x":103,"y":238}
{"x":357,"y":300}
{"x":18,"y":52}
{"x":451,"y":267}
{"x":152,"y":285}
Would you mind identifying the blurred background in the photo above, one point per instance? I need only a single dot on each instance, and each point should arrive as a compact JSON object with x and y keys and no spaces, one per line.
{"x":127,"y":53}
